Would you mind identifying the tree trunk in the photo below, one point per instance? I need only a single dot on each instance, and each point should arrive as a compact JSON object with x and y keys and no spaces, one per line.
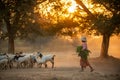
{"x":11,"y":45}
{"x":105,"y":46}
{"x":10,"y":37}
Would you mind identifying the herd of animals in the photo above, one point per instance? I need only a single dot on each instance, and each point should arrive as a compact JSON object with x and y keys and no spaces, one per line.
{"x":24,"y":60}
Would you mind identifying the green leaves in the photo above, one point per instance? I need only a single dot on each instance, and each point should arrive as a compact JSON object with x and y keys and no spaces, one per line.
{"x":82,"y":53}
{"x":79,"y":49}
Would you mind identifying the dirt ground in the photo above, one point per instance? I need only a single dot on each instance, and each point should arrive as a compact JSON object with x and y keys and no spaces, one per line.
{"x":66,"y":61}
{"x":105,"y":69}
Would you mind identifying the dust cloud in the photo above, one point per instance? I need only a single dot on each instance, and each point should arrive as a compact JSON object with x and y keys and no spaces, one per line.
{"x":63,"y":47}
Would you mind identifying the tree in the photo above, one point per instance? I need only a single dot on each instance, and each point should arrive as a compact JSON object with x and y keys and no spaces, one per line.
{"x":57,"y":17}
{"x":106,"y":25}
{"x":21,"y":19}
{"x":17,"y":16}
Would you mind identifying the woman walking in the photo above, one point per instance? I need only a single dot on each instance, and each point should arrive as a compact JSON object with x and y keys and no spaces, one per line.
{"x":83,"y":53}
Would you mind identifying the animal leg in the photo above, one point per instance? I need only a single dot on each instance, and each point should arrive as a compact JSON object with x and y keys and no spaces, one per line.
{"x":45,"y":65}
{"x":52,"y":63}
{"x":40,"y":65}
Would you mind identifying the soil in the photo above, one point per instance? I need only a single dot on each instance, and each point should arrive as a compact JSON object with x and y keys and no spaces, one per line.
{"x":104,"y":69}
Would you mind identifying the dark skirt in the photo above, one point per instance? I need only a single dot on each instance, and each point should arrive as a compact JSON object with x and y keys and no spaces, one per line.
{"x":84,"y":62}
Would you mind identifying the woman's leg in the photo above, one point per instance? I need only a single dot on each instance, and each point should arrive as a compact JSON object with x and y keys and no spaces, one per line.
{"x":82,"y":64}
{"x":91,"y":68}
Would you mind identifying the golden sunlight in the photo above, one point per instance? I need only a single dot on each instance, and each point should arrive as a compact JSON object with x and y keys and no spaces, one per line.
{"x":71,"y":9}
{"x":68,"y":10}
{"x":73,"y":6}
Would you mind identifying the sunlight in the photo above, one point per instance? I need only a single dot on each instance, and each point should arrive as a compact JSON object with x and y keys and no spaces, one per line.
{"x":71,"y":9}
{"x":68,"y":9}
{"x":73,"y":6}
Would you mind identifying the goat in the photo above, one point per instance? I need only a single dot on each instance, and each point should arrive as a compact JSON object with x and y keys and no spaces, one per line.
{"x":11,"y":60}
{"x":32,"y":58}
{"x":25,"y":60}
{"x":4,"y":60}
{"x":44,"y":59}
{"x":3,"y":56}
{"x":20,"y":60}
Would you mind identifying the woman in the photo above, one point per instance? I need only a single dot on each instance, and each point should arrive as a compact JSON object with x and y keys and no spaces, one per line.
{"x":84,"y":55}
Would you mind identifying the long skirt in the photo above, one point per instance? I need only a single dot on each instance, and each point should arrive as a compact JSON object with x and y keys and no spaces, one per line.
{"x":84,"y":62}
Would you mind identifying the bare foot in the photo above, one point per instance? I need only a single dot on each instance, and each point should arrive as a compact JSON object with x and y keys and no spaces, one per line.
{"x":91,"y":70}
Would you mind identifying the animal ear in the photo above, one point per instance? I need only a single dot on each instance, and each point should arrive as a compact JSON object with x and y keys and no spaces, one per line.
{"x":21,"y":52}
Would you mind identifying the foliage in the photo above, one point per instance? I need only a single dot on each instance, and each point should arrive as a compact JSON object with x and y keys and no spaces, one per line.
{"x":108,"y":23}
{"x":56,"y":13}
{"x":82,"y":53}
{"x":105,"y":22}
{"x":79,"y":49}
{"x":19,"y":18}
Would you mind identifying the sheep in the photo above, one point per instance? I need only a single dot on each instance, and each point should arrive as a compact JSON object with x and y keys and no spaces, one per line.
{"x":44,"y":59}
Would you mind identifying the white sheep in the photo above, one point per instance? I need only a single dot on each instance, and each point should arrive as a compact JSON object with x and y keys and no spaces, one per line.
{"x":44,"y":59}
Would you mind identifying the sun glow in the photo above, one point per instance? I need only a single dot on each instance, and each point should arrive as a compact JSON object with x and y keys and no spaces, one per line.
{"x":68,"y":9}
{"x":73,"y":6}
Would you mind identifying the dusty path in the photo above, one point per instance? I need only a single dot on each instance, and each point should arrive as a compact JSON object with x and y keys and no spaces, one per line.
{"x":108,"y":69}
{"x":55,"y":74}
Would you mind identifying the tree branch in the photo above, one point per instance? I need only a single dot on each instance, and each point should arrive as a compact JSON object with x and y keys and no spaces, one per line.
{"x":86,"y":9}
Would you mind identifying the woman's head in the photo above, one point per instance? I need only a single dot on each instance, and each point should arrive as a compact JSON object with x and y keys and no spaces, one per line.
{"x":83,"y":39}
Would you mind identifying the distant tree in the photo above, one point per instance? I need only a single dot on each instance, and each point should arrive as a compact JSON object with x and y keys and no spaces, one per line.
{"x":103,"y":24}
